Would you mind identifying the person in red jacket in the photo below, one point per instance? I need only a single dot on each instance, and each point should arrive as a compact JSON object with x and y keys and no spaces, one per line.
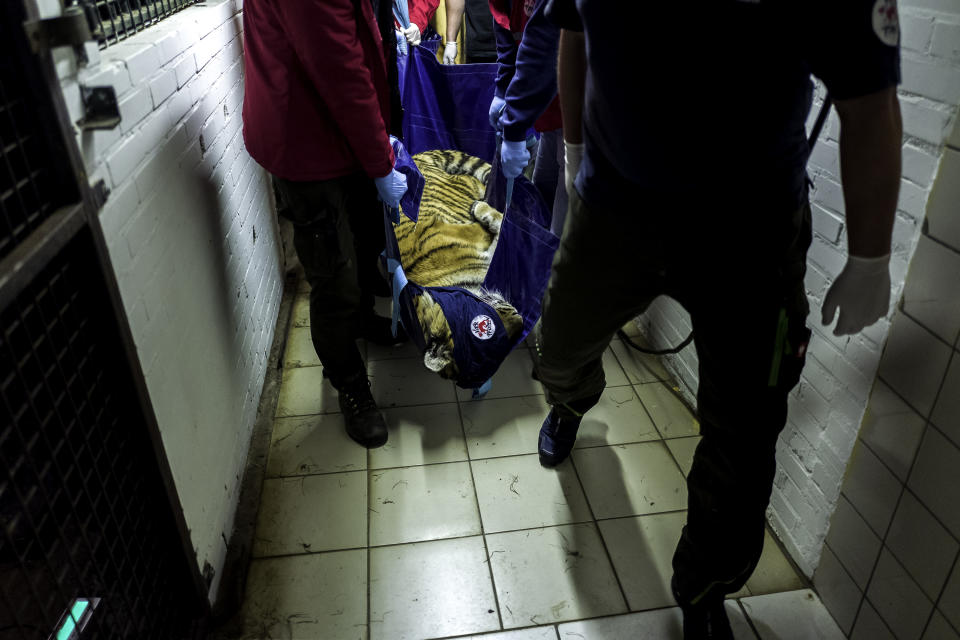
{"x":316,"y":112}
{"x":421,"y":12}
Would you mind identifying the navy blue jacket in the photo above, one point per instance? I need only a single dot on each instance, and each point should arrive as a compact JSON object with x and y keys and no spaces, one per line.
{"x":527,"y":69}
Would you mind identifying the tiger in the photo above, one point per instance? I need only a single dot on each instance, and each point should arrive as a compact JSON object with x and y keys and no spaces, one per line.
{"x":451,"y":245}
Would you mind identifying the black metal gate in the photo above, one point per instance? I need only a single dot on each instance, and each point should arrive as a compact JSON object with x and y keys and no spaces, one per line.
{"x":92,"y":539}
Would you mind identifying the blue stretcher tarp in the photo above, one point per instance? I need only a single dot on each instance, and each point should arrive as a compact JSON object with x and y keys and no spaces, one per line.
{"x":445,"y":107}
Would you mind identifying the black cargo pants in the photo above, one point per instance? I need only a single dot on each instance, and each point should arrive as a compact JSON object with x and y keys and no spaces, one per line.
{"x":739,"y":274}
{"x":338,"y":235}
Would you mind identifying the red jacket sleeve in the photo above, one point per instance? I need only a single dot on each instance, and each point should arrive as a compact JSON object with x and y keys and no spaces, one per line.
{"x":421,"y":11}
{"x":324,"y":35}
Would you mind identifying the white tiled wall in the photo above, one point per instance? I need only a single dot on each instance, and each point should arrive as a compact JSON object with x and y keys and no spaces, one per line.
{"x":192,"y":236}
{"x":827,"y":407}
{"x":890,"y":565}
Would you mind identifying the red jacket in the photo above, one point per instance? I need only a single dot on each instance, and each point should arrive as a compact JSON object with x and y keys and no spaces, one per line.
{"x":316,"y":104}
{"x":421,"y":11}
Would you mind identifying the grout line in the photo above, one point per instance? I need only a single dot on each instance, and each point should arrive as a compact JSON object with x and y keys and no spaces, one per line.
{"x":926,"y":328}
{"x":746,"y":616}
{"x":603,"y":541}
{"x":369,"y":553}
{"x":483,"y":535}
{"x":862,"y":592}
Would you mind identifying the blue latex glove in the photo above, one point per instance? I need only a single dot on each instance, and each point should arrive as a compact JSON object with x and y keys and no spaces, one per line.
{"x":391,"y":187}
{"x":514,"y":157}
{"x":496,"y":108}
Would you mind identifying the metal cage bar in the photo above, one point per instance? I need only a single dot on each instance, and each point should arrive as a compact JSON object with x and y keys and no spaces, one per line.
{"x":114,"y":20}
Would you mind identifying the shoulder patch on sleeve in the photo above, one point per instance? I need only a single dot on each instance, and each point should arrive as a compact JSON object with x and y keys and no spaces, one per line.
{"x":886,"y":24}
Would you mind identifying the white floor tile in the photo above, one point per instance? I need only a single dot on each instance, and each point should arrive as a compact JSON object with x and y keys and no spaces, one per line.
{"x":792,"y":615}
{"x":322,"y":595}
{"x":552,"y":574}
{"x":311,"y":445}
{"x":311,"y":514}
{"x":512,"y":379}
{"x":612,"y":370}
{"x":304,"y":392}
{"x":301,"y":311}
{"x":517,"y":493}
{"x":639,"y":367}
{"x":421,"y":435}
{"x":631,"y":479}
{"x":503,"y":427}
{"x":774,"y":573}
{"x":415,"y":504}
{"x":431,"y":589}
{"x":618,"y":418}
{"x":671,"y":416}
{"x":663,"y":624}
{"x":642,"y":552}
{"x":300,"y":351}
{"x":405,"y":350}
{"x":683,"y":450}
{"x":406,"y":382}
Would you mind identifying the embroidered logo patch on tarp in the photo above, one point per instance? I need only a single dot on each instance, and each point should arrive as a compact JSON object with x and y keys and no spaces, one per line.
{"x":483,"y":327}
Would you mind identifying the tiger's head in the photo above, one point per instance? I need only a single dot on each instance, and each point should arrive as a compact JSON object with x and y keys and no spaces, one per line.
{"x":438,"y":354}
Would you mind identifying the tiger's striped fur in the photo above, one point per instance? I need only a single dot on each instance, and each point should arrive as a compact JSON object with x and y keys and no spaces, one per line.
{"x":451,"y":245}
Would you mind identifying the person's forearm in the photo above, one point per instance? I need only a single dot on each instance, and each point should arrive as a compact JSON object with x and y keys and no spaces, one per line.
{"x":870,"y":141}
{"x":454,"y":18}
{"x":571,"y":80}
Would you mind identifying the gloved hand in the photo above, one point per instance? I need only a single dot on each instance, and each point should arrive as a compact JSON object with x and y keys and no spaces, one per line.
{"x":496,"y":108}
{"x":391,"y":187}
{"x":514,"y":157}
{"x":412,"y":34}
{"x":450,"y":53}
{"x":861,"y":291}
{"x":572,"y":155}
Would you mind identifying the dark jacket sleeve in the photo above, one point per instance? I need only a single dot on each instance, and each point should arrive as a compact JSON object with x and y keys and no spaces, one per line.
{"x":564,"y":14}
{"x":857,"y":50}
{"x":324,"y":35}
{"x":534,"y":84}
{"x":506,"y":59}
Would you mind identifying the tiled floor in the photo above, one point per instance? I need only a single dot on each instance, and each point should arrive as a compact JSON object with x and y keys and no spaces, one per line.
{"x":454,"y":530}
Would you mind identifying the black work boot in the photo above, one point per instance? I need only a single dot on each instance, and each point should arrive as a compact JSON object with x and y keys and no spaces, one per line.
{"x":362,"y":419}
{"x":377,"y":329}
{"x":559,"y":431}
{"x":705,"y":620}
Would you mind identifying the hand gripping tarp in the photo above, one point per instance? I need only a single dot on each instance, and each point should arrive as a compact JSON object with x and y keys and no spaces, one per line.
{"x":446,"y":108}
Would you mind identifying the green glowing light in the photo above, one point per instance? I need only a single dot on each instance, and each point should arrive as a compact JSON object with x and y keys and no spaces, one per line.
{"x":70,"y":624}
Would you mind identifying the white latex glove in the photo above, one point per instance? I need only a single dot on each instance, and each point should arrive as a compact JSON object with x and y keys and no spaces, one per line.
{"x":861,"y":292}
{"x":572,"y":155}
{"x":450,"y":53}
{"x":412,"y":34}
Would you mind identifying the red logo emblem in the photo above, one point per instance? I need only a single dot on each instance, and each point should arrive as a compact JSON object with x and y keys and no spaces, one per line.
{"x":483,"y":327}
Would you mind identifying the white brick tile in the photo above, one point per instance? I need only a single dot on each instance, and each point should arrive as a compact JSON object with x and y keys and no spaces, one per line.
{"x":122,"y":160}
{"x":922,"y":545}
{"x":134,"y":107}
{"x":919,"y":164}
{"x":826,"y":155}
{"x":108,"y":73}
{"x":935,"y":479}
{"x":943,"y":212}
{"x":912,"y":200}
{"x":826,"y":223}
{"x":936,"y":80}
{"x":162,"y":86}
{"x":914,"y":362}
{"x":142,"y":60}
{"x":827,"y":257}
{"x":925,"y":119}
{"x":185,"y":69}
{"x":915,"y":32}
{"x":829,"y":193}
{"x":898,"y":599}
{"x":946,"y":41}
{"x":930,"y":294}
{"x":120,"y":205}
